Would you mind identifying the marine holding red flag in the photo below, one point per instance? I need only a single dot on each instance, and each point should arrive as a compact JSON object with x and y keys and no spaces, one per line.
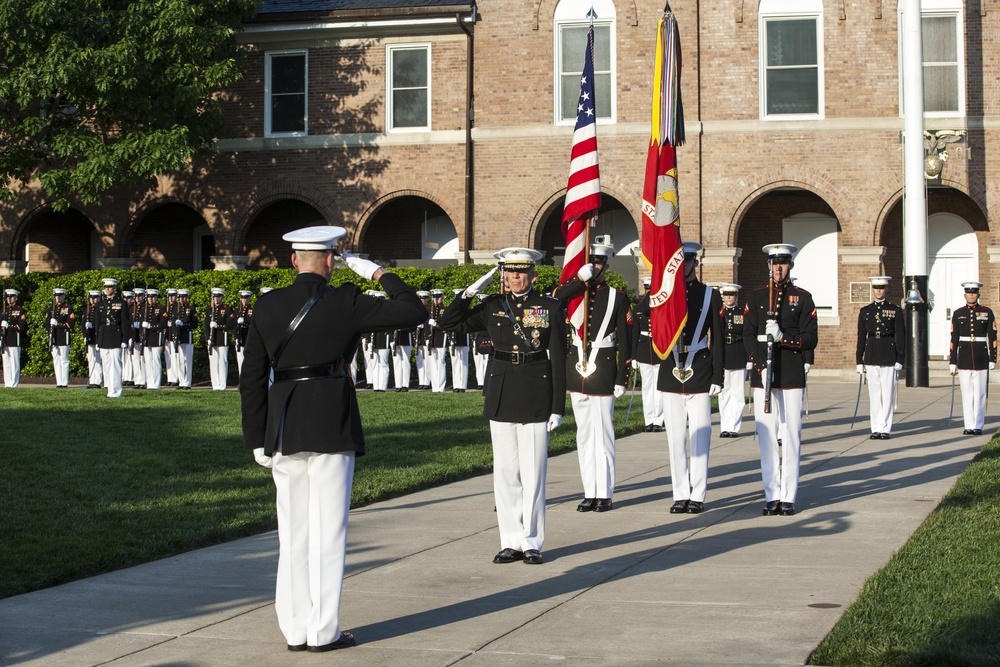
{"x":662,"y":250}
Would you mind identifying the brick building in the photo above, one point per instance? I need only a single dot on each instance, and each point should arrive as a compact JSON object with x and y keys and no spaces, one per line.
{"x":358,"y":114}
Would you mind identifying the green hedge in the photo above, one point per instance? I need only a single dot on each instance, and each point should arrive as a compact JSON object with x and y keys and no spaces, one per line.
{"x":36,"y":295}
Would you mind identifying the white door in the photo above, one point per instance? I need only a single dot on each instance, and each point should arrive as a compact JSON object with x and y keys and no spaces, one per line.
{"x":953,"y":258}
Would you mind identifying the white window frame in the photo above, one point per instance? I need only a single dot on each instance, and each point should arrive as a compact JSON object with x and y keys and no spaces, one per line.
{"x":267,"y":93}
{"x":778,"y":10}
{"x":573,"y":13}
{"x":389,"y":88}
{"x":931,"y":9}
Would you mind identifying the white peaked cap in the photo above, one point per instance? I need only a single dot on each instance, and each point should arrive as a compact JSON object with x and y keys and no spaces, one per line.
{"x":321,"y":237}
{"x":691,"y":247}
{"x":729,"y":287}
{"x":879,"y":281}
{"x":518,"y":258}
{"x":779,"y":249}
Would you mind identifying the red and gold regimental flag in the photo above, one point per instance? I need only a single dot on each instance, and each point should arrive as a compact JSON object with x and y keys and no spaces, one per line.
{"x":662,"y":251}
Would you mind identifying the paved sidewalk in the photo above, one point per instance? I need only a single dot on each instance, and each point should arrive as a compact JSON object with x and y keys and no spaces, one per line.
{"x":630,"y":587}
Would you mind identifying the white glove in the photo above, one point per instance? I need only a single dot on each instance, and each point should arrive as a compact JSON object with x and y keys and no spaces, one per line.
{"x":553,"y":423}
{"x":861,"y":369}
{"x":749,"y":365}
{"x":635,"y":363}
{"x":363,"y":267}
{"x":773,"y":330}
{"x":145,"y":325}
{"x":619,"y":390}
{"x":124,"y":346}
{"x":3,"y":324}
{"x":952,"y":368}
{"x":89,"y":325}
{"x":586,"y":272}
{"x":53,"y":321}
{"x":178,"y":323}
{"x":432,"y":322}
{"x":239,"y":320}
{"x":263,"y":459}
{"x":213,"y":325}
{"x":420,"y":326}
{"x":476,"y":287}
{"x":806,"y":368}
{"x":714,"y":390}
{"x":897,"y":367}
{"x":992,"y":365}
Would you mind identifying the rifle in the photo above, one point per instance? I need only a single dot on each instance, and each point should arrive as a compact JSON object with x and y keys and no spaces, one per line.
{"x":210,"y":319}
{"x":4,"y":314}
{"x":52,"y":328}
{"x":771,"y":314}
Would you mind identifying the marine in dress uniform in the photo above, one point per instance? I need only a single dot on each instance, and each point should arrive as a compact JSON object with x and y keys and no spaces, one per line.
{"x":127,"y":371}
{"x":153,"y":336}
{"x":595,"y":375}
{"x":306,"y":425}
{"x":13,"y":326}
{"x":437,"y":345}
{"x":95,"y":372}
{"x":524,"y":396}
{"x":185,"y":322}
{"x":783,"y":317}
{"x":219,"y":324}
{"x":690,"y":375}
{"x":420,"y":358}
{"x":645,"y":361}
{"x":458,"y":352}
{"x":973,"y":355}
{"x":243,"y":316}
{"x":114,"y":331}
{"x":61,"y":321}
{"x":171,"y":349}
{"x":377,"y":365}
{"x":137,"y":352}
{"x":732,"y":400}
{"x":400,"y":348}
{"x":880,"y":354}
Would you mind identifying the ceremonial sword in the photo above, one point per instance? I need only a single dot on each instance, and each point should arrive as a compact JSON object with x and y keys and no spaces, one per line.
{"x":857,"y":402}
{"x":635,"y":372}
{"x":951,"y":410}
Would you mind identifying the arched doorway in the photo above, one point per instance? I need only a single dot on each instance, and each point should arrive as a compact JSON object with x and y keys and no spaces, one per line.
{"x":59,"y":243}
{"x":264,"y":246}
{"x":166,"y":238}
{"x":613,"y":218}
{"x":410,"y":229}
{"x":952,"y":258}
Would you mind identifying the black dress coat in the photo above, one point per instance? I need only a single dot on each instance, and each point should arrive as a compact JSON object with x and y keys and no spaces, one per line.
{"x":113,"y":322}
{"x":796,"y":315}
{"x":881,"y":335}
{"x":973,"y":322}
{"x":321,"y":414}
{"x":707,"y":363}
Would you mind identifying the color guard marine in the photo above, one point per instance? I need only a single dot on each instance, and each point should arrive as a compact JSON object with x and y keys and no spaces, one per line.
{"x":13,"y":326}
{"x":61,"y":322}
{"x":973,"y":355}
{"x":646,"y":363}
{"x":880,"y":354}
{"x":732,"y":400}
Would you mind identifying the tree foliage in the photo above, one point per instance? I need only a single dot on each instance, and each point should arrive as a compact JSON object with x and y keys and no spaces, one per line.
{"x":102,"y":93}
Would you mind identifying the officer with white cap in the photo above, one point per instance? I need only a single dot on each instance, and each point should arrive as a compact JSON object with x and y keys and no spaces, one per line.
{"x":244,"y":313}
{"x":420,"y":358}
{"x":301,"y":419}
{"x":437,"y":344}
{"x":185,"y":322}
{"x":732,"y":399}
{"x":690,"y":375}
{"x":779,"y":327}
{"x":61,"y":321}
{"x":95,"y":372}
{"x":136,"y":355}
{"x":646,"y":363}
{"x":114,"y":332}
{"x":154,"y":335}
{"x":458,"y":352}
{"x":973,"y":355}
{"x":220,"y":321}
{"x":595,"y":373}
{"x":377,"y":353}
{"x":13,"y":325}
{"x":880,"y":354}
{"x":524,"y":397}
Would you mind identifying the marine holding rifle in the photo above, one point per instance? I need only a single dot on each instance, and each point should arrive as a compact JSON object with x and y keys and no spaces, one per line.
{"x":153,"y":335}
{"x":13,"y":326}
{"x":779,"y":327}
{"x":220,"y":321}
{"x":61,"y":320}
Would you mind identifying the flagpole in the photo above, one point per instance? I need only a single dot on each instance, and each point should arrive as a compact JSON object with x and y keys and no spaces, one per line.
{"x":586,"y":291}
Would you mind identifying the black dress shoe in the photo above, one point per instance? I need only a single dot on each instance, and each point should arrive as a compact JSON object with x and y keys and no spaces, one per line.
{"x":724,"y":434}
{"x":771,"y":508}
{"x":345,"y":640}
{"x":787,"y":509}
{"x":648,"y":428}
{"x":680,"y":507}
{"x":883,"y":436}
{"x":695,"y":507}
{"x":875,"y":436}
{"x":460,"y":391}
{"x":508,"y":556}
{"x":658,"y":428}
{"x":297,"y":647}
{"x":602,"y":505}
{"x":977,"y":431}
{"x":404,"y":389}
{"x":587,"y":505}
{"x":967,"y":431}
{"x":533,"y":557}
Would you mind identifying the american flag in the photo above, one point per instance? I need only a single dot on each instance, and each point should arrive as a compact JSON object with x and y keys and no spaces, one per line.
{"x":583,"y":192}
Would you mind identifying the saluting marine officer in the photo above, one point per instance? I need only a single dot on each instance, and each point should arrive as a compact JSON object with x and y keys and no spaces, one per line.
{"x":779,"y":323}
{"x":61,"y":321}
{"x":524,"y":397}
{"x":595,"y":375}
{"x":645,"y":361}
{"x":973,"y":355}
{"x":13,"y":325}
{"x":114,"y":331}
{"x":732,"y":400}
{"x":880,"y":354}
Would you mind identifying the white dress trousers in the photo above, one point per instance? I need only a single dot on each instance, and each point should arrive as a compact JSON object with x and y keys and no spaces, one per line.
{"x":95,"y":372}
{"x":111,"y":362}
{"x":652,"y":399}
{"x":60,"y":364}
{"x":401,"y":366}
{"x":421,"y":360}
{"x":595,"y":443}
{"x":313,"y":498}
{"x":881,"y":396}
{"x":153,"y":369}
{"x":732,"y":401}
{"x":368,"y":357}
{"x":779,"y":466}
{"x":185,"y":363}
{"x":127,"y":366}
{"x":218,"y":367}
{"x":437,"y":374}
{"x":481,"y":362}
{"x":688,"y":413}
{"x":520,"y":462}
{"x":138,"y":367}
{"x":459,"y":366}
{"x":379,"y":377}
{"x":973,"y":385}
{"x":170,"y":362}
{"x":11,"y":366}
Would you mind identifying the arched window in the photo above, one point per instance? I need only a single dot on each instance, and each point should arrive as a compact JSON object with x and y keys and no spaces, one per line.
{"x":570,"y":30}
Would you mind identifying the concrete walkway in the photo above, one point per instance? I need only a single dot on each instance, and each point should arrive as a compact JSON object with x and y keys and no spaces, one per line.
{"x":630,"y":587}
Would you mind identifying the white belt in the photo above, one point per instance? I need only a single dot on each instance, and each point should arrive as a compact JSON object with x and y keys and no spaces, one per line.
{"x":973,"y":339}
{"x":607,"y":342}
{"x":761,"y":338}
{"x":643,"y":333}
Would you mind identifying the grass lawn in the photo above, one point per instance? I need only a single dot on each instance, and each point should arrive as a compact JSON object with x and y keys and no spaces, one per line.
{"x":937,"y":601}
{"x":93,"y":484}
